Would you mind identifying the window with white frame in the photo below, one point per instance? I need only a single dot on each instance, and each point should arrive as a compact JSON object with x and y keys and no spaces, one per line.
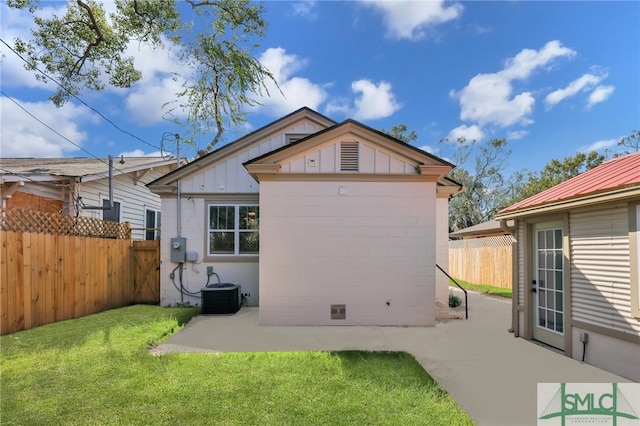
{"x":152,"y":224}
{"x":233,"y":229}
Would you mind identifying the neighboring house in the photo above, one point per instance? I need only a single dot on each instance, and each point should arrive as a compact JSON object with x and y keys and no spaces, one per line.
{"x":76,"y":186}
{"x":345,"y":215}
{"x":490,"y":228}
{"x":576,"y":266}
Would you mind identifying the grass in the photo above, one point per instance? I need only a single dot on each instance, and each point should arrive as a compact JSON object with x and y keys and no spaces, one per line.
{"x":483,"y":288}
{"x":97,"y":370}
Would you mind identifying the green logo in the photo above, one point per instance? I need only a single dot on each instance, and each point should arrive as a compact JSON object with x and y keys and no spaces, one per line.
{"x":583,"y":407}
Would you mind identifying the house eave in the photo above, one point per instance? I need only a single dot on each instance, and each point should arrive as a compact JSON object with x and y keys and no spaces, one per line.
{"x":587,"y":200}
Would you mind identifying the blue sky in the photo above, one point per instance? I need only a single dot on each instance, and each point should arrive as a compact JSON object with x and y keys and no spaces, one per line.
{"x":553,"y":78}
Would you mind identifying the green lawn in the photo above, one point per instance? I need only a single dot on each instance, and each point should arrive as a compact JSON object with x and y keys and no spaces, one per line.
{"x":97,"y":371}
{"x":483,"y":288}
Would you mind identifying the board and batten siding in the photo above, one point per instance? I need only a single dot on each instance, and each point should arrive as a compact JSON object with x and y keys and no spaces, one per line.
{"x":230,"y":176}
{"x":600,"y":269}
{"x":134,"y":197}
{"x":325,"y":158}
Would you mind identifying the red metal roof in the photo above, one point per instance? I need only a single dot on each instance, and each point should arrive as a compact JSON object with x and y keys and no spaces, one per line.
{"x":611,"y":175}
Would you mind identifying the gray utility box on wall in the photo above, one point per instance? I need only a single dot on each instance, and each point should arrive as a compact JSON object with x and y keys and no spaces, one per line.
{"x":178,"y":249}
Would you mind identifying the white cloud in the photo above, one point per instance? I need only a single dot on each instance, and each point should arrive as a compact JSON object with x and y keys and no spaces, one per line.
{"x":583,"y":83}
{"x":304,"y":9}
{"x":139,"y":153}
{"x":469,"y":133}
{"x":600,"y":94}
{"x":599,"y":145}
{"x":411,"y":19}
{"x":373,"y":101}
{"x":489,"y":98}
{"x":516,"y":134}
{"x":23,"y":136}
{"x":297,"y":91}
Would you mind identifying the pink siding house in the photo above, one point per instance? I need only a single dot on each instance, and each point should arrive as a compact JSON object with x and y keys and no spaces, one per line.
{"x":350,"y":222}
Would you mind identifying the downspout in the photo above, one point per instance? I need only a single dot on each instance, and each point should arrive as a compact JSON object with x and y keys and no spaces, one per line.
{"x":515,"y":329}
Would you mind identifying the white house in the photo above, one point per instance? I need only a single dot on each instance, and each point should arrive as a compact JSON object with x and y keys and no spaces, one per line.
{"x":575,"y":266}
{"x":349,"y":220}
{"x":76,"y":186}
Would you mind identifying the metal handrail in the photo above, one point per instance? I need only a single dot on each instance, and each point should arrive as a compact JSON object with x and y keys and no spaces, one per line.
{"x":466,"y":306}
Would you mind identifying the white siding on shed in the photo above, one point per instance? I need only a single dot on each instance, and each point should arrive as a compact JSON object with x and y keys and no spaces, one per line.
{"x":600,"y":270}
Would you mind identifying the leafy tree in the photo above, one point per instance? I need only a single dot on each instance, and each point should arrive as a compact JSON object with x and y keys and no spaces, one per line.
{"x":632,"y":142}
{"x":86,"y":49}
{"x":524,"y":184}
{"x":399,"y":131}
{"x":479,"y":169}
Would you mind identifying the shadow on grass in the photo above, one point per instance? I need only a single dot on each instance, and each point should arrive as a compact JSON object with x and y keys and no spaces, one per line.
{"x":156,"y":321}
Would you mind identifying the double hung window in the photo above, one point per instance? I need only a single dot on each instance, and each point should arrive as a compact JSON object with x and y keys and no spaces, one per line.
{"x":233,"y":230}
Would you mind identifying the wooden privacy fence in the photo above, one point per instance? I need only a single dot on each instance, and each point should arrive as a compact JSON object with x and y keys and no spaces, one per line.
{"x":485,"y":260}
{"x":47,"y":278}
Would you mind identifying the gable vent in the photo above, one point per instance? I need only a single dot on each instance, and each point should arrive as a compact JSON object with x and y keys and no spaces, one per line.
{"x":349,"y":158}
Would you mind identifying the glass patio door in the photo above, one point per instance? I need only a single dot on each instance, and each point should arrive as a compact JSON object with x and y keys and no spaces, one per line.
{"x":548,"y":286}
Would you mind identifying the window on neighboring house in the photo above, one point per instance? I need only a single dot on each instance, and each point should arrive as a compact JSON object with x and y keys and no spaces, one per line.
{"x":233,"y":230}
{"x":152,"y":220}
{"x":112,"y":214}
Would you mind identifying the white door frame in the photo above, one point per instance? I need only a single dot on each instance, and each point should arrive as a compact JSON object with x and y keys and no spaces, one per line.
{"x":548,"y":285}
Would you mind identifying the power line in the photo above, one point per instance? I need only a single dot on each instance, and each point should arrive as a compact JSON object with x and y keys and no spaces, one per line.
{"x":80,"y":100}
{"x":54,"y":130}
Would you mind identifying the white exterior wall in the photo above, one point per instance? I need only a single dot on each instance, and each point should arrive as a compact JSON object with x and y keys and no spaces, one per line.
{"x":609,"y":353}
{"x":194,"y":274}
{"x":600,"y":269}
{"x":442,"y":257}
{"x":133,"y":197}
{"x":372,"y":249}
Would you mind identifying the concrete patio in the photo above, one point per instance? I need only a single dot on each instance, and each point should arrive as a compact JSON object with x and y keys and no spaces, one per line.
{"x":491,"y":375}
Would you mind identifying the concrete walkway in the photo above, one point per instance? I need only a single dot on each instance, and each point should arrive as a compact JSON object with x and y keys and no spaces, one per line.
{"x":489,"y":373}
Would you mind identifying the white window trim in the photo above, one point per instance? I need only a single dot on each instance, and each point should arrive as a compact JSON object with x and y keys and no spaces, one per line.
{"x":236,"y":232}
{"x":156,"y":233}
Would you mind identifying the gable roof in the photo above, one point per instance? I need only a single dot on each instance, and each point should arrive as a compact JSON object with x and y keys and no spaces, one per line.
{"x":619,"y":177}
{"x":16,"y":169}
{"x":389,"y":138}
{"x":230,"y":148}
